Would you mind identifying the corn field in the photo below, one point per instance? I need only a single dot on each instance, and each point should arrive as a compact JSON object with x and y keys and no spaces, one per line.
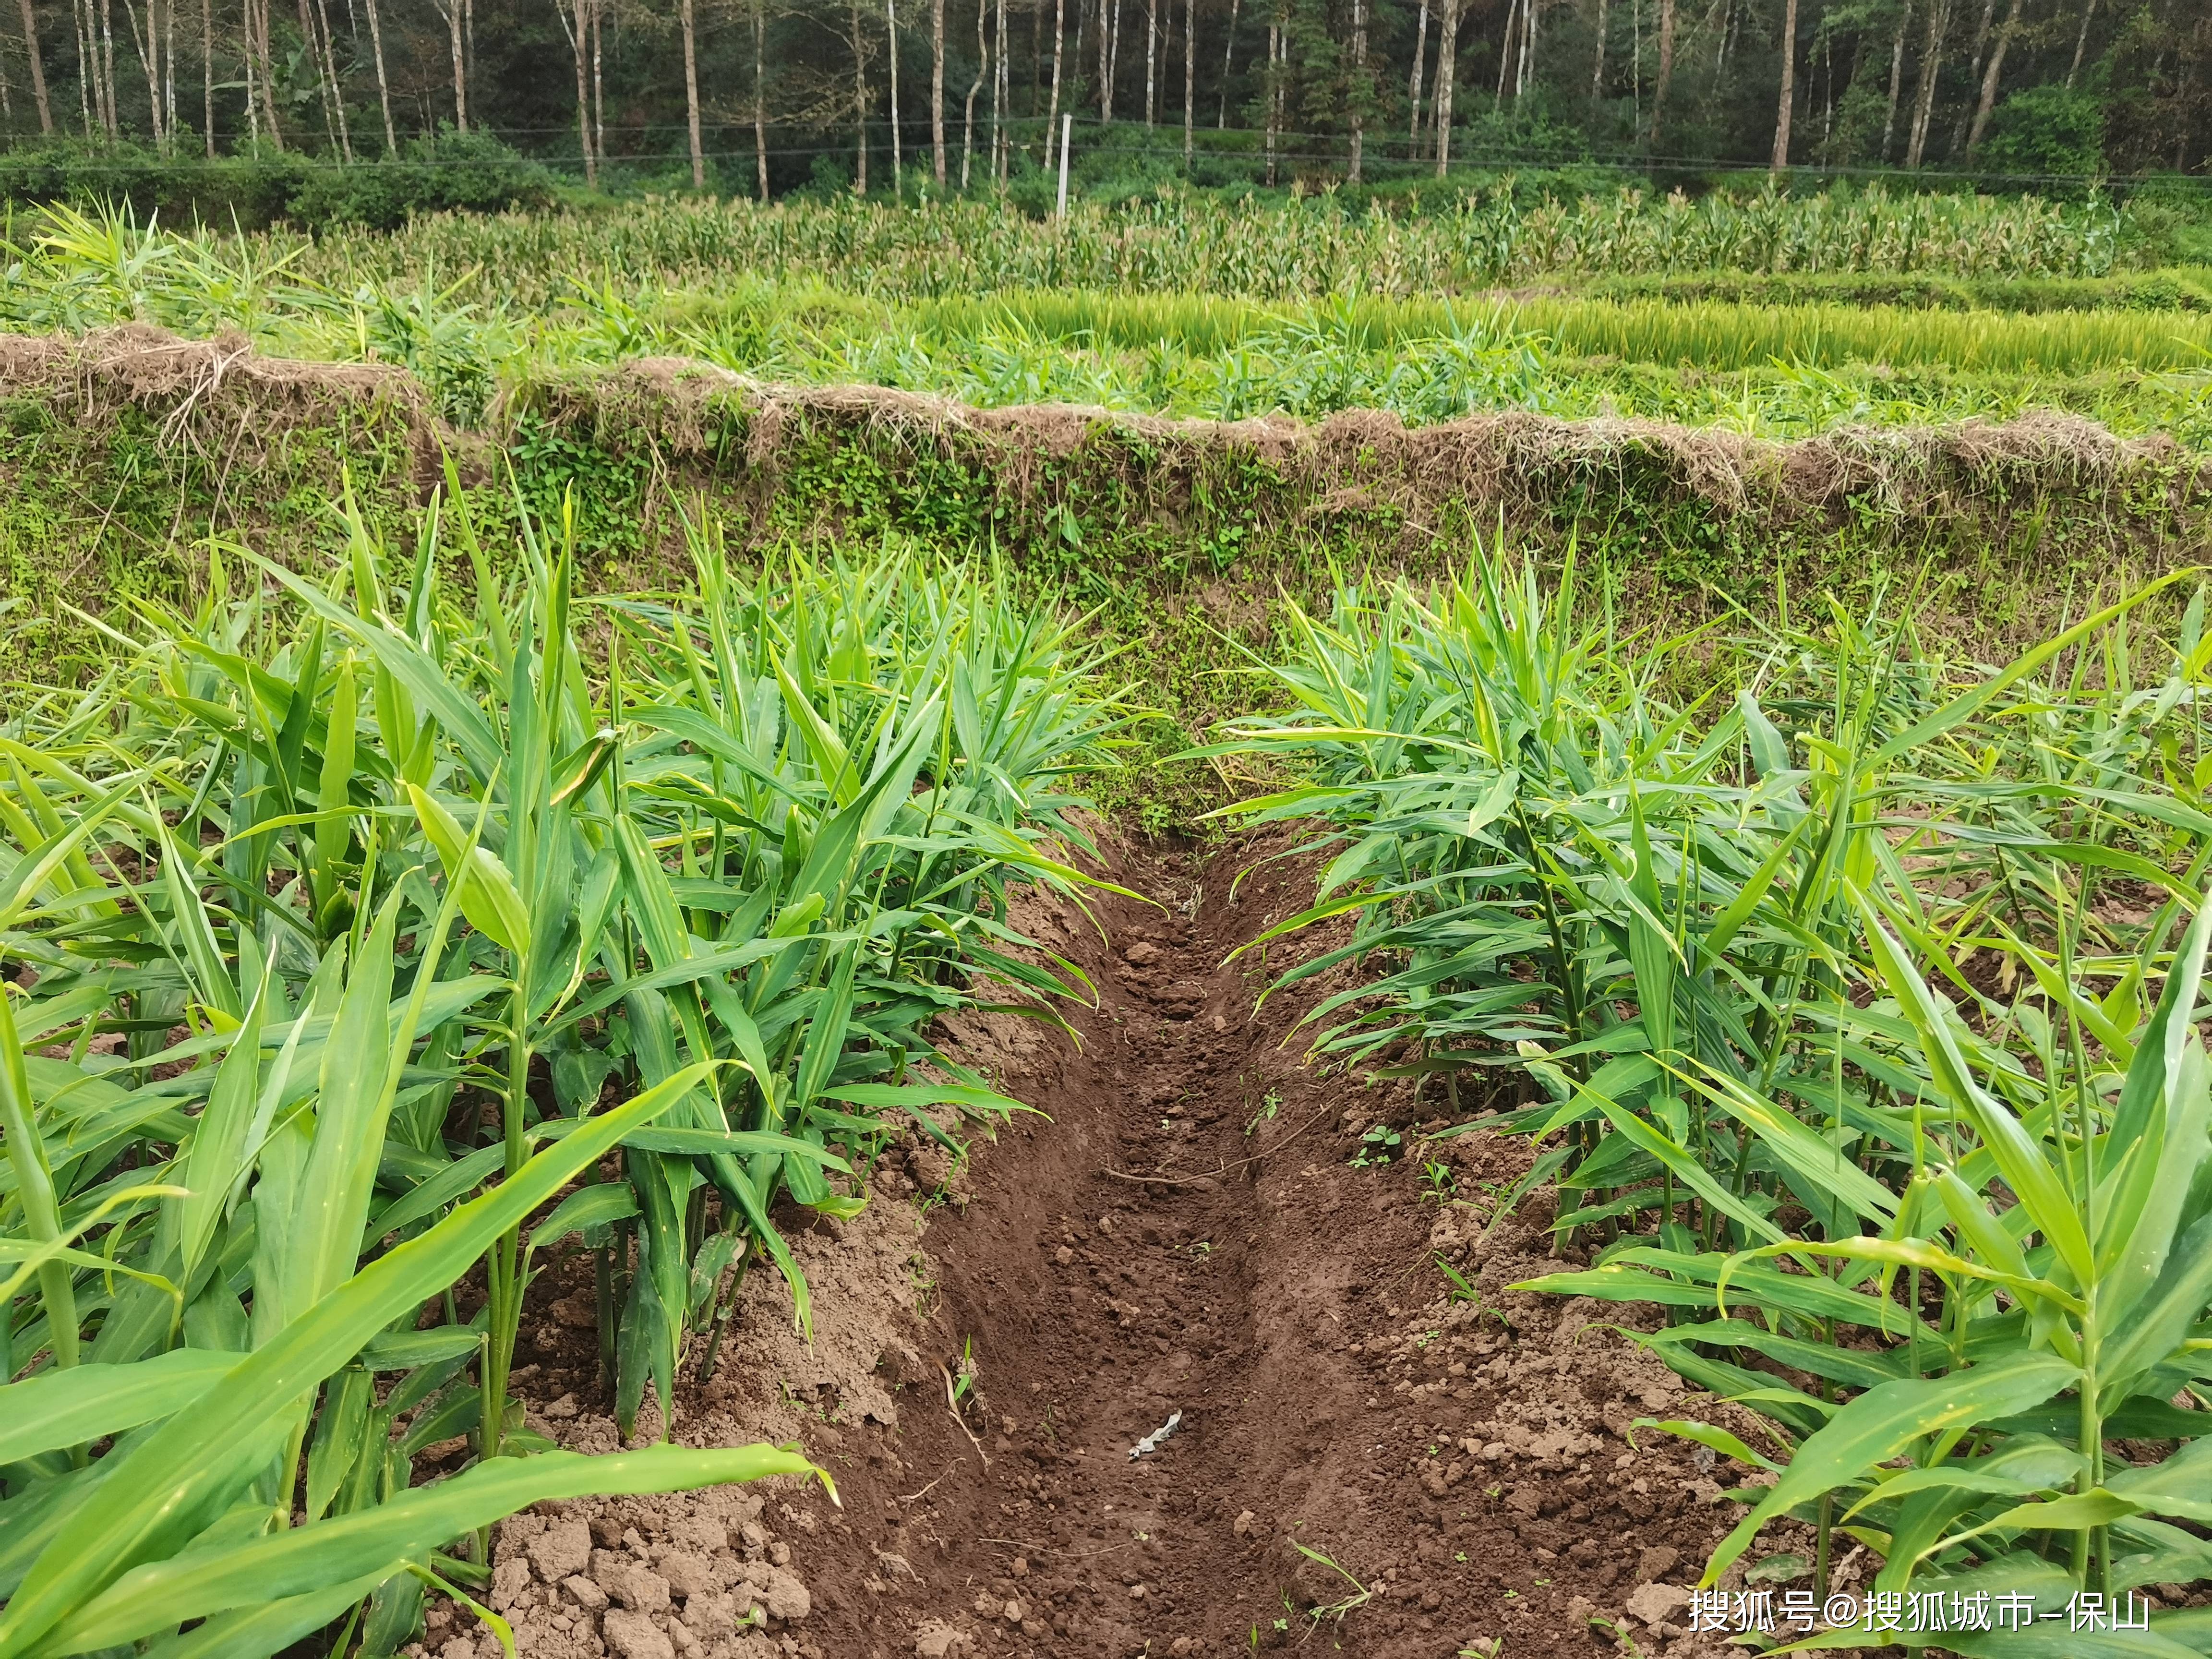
{"x":1862,"y":1021}
{"x":347,"y":923}
{"x":1183,"y":242}
{"x":1780,"y":371}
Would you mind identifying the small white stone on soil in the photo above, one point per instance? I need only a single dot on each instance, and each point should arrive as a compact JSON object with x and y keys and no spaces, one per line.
{"x":583,"y":1592}
{"x":787,"y":1597}
{"x":713,"y":1616}
{"x":507,"y":1579}
{"x":563,"y":1548}
{"x":1656,"y":1603}
{"x":688,"y":1575}
{"x":633,"y":1636}
{"x":639,"y":1589}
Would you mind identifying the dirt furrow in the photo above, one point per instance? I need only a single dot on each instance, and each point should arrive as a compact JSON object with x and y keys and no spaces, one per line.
{"x":1459,"y":1481}
{"x":1197,"y":1225}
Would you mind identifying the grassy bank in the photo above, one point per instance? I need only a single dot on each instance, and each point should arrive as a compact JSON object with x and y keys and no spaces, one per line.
{"x":123,"y":458}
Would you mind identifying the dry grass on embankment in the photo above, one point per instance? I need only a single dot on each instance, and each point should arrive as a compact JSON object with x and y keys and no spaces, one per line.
{"x":2000,"y":525}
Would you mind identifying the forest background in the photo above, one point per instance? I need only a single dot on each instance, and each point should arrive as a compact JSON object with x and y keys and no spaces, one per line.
{"x":261,"y":110}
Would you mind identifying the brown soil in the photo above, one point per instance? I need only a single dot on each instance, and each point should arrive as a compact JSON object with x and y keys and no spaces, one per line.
{"x":1466,"y":1468}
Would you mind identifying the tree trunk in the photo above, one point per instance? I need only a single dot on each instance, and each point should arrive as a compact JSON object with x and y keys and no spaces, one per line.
{"x":1114,"y":58}
{"x":207,"y":75}
{"x":1359,"y":89}
{"x":937,"y":87}
{"x":1789,"y":87}
{"x":1989,"y":78}
{"x":1274,"y":86}
{"x":760,"y":95}
{"x":148,"y":45}
{"x":1052,"y":112}
{"x":1974,"y":75}
{"x":999,"y":90}
{"x":599,"y":79}
{"x":451,"y":9}
{"x":898,"y":158}
{"x":258,"y":53}
{"x":982,"y":69}
{"x":685,"y":12}
{"x":88,"y":90}
{"x":582,"y":39}
{"x":1447,"y":72}
{"x":1152,"y":61}
{"x":1228,"y":49}
{"x":1107,"y":25}
{"x":107,"y":69}
{"x":860,"y":102}
{"x":1189,"y":79}
{"x":330,"y":75}
{"x":38,"y":71}
{"x":1923,"y":97}
{"x":2080,"y":40}
{"x":314,"y":46}
{"x":1896,"y":78}
{"x":1414,"y":83}
{"x":1597,"y":67}
{"x":383,"y":88}
{"x":1666,"y":75}
{"x":169,"y":71}
{"x":1532,"y":20}
{"x":1513,"y":8}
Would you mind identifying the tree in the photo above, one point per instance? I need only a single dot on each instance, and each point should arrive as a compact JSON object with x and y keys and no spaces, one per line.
{"x":937,"y":88}
{"x":760,"y":94}
{"x":1447,"y":72}
{"x":1357,"y":94}
{"x":1896,"y":76}
{"x":38,"y":71}
{"x":383,"y":86}
{"x":1923,"y":97}
{"x":1788,"y":87}
{"x":1666,"y":75}
{"x":1990,"y":77}
{"x":692,"y":95}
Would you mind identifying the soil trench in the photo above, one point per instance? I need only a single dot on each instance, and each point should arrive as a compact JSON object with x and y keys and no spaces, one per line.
{"x":1458,"y":1481}
{"x":1367,"y":1458}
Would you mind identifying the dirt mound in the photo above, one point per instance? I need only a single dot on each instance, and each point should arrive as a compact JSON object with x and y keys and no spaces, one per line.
{"x":1356,"y":1455}
{"x":1361,"y":462}
{"x":188,"y":382}
{"x":698,"y":425}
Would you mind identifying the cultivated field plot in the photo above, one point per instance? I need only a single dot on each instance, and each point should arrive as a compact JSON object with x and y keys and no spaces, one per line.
{"x":846,"y":931}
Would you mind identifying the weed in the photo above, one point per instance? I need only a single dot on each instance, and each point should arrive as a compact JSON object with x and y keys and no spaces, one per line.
{"x":1377,"y":1146}
{"x":1270,"y":1104}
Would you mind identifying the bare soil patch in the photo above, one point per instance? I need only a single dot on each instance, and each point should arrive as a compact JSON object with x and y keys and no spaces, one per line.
{"x":1185,"y":1234}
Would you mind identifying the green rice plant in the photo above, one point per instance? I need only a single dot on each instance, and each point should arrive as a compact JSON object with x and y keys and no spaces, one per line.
{"x":1233,"y":353}
{"x":337,"y":908}
{"x":1974,"y":1220}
